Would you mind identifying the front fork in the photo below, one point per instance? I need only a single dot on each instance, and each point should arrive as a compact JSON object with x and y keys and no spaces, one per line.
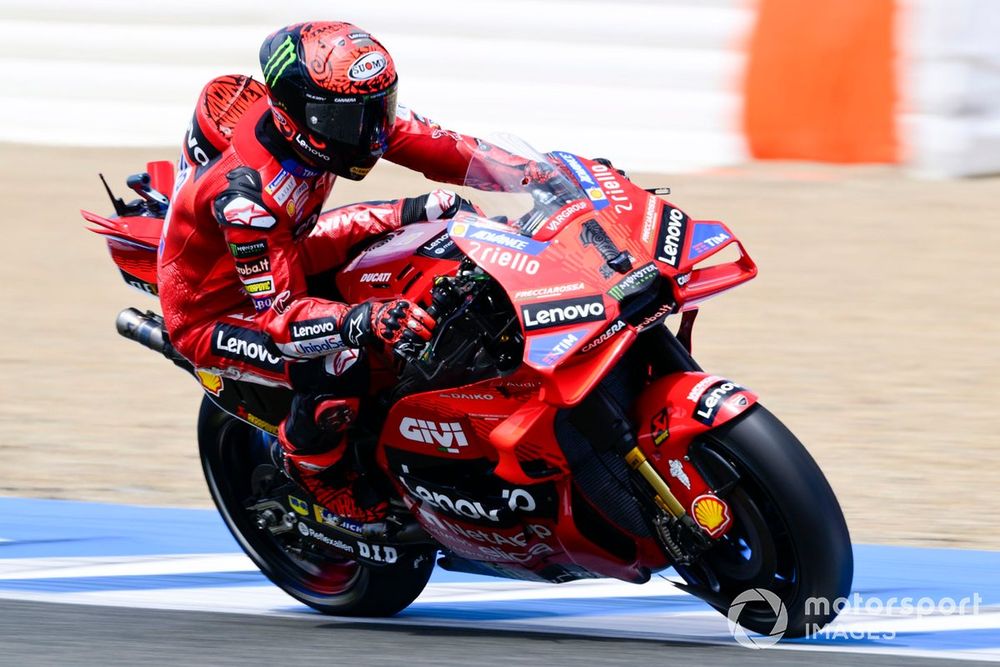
{"x":669,"y":417}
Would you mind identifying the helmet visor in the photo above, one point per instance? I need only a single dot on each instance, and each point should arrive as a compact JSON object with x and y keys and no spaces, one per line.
{"x":356,"y":121}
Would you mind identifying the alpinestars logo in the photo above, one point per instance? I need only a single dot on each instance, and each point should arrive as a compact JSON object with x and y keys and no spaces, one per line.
{"x":241,"y":211}
{"x":673,"y":226}
{"x":448,"y":436}
{"x":354,"y":330}
{"x":565,"y":311}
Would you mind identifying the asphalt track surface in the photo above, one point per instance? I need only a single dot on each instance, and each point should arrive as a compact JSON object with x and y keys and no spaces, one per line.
{"x":92,"y":584}
{"x":52,"y":634}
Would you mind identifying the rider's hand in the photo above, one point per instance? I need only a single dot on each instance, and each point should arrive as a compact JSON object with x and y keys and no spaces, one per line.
{"x":438,"y":204}
{"x":397,"y":322}
{"x":537,"y":173}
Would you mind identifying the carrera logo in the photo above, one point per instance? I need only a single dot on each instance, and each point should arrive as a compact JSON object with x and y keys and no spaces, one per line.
{"x":376,"y":277}
{"x":673,"y":226}
{"x":444,"y":435}
{"x":567,"y":311}
{"x":247,"y":345}
{"x":367,"y":67}
{"x":262,"y":265}
{"x":307,"y":329}
{"x":608,"y":334}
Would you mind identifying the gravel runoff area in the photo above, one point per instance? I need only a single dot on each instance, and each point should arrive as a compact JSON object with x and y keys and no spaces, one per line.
{"x":872,"y":331}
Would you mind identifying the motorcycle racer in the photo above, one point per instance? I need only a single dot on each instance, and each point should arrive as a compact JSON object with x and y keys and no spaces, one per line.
{"x":244,"y":231}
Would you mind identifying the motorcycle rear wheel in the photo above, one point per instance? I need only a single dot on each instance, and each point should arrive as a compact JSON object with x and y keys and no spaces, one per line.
{"x":788,"y":535}
{"x":230,"y":451}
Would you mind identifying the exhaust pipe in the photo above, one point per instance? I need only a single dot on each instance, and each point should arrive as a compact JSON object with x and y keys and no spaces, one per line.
{"x":145,"y":329}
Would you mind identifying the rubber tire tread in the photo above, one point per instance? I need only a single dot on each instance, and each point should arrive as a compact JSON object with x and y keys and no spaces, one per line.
{"x":377,"y":591}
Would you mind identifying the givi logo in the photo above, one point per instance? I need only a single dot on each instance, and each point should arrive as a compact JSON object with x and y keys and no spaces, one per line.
{"x":444,"y":435}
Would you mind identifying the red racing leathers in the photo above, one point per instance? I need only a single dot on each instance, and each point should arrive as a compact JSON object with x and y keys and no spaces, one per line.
{"x":244,"y":230}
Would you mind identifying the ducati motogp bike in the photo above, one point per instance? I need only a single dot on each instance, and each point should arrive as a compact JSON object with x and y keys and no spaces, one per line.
{"x":556,"y":427}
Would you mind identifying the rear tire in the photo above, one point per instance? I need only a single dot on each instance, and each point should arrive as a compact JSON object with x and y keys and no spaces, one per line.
{"x":788,"y":534}
{"x":230,"y":452}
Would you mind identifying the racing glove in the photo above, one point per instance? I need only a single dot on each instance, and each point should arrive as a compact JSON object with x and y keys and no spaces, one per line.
{"x":537,"y":173}
{"x":397,"y":322}
{"x":435,"y":205}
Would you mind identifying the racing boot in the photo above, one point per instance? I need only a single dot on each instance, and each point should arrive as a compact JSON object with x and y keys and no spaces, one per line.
{"x":313,"y":440}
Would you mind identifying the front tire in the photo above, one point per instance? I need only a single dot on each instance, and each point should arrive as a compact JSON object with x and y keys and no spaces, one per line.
{"x":788,"y":536}
{"x":231,"y":451}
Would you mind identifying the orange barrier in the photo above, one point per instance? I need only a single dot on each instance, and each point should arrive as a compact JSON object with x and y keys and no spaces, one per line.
{"x":821,"y":81}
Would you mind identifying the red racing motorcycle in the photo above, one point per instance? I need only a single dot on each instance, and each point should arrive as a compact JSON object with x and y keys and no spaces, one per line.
{"x":553,"y":429}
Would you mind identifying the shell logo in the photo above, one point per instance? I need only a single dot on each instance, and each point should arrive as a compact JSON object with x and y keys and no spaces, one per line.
{"x":210,"y":381}
{"x":711,"y":513}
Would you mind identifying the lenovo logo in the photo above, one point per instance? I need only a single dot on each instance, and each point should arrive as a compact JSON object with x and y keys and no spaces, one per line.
{"x":566,"y":311}
{"x":307,"y":329}
{"x":672,"y":228}
{"x":245,"y":345}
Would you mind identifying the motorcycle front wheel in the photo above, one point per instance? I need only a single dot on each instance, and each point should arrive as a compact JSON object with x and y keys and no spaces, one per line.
{"x":231,"y":452}
{"x":788,"y":539}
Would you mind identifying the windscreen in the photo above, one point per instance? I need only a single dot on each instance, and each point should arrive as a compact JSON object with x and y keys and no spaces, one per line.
{"x":531,"y":187}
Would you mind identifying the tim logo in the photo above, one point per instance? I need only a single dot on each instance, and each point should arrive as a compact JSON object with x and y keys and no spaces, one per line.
{"x":448,"y":436}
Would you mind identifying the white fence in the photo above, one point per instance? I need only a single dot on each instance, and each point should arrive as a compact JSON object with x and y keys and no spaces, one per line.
{"x":652,"y":84}
{"x":952,"y":89}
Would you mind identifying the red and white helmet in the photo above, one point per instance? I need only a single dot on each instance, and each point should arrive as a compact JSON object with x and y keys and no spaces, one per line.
{"x":333,"y":94}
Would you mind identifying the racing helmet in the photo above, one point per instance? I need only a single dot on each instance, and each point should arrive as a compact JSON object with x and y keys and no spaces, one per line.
{"x":332,"y":90}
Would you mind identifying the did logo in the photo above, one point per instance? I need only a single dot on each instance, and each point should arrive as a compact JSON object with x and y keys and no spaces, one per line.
{"x":757,"y":597}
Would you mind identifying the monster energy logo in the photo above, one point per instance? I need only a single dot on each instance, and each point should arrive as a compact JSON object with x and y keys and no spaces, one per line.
{"x":279,"y":61}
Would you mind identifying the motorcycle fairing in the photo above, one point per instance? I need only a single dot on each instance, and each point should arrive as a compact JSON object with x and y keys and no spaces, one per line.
{"x":133,"y":239}
{"x":403,"y":262}
{"x":523,"y":518}
{"x":514,"y":261}
{"x":670,"y":414}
